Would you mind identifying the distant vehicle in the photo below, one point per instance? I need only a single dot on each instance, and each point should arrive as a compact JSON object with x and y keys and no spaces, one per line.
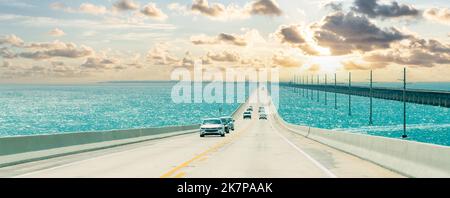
{"x":250,"y":108}
{"x":228,"y":122}
{"x":261,"y":110}
{"x":248,"y":115}
{"x":212,"y":126}
{"x":263,"y":116}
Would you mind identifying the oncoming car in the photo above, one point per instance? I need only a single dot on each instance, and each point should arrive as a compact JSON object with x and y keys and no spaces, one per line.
{"x":212,"y":126}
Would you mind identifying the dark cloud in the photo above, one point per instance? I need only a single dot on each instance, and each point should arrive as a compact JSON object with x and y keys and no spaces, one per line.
{"x":124,"y":5}
{"x":345,"y":33}
{"x":416,"y":52}
{"x":373,"y":9}
{"x":203,"y":7}
{"x":265,"y":7}
{"x":335,"y":6}
{"x":218,"y":10}
{"x":152,"y":11}
{"x":220,"y":39}
{"x":232,"y":39}
{"x":99,"y":63}
{"x":292,"y":36}
{"x":69,"y":51}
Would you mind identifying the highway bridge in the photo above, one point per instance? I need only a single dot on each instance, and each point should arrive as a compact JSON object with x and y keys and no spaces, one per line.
{"x":256,"y":149}
{"x":426,"y":97}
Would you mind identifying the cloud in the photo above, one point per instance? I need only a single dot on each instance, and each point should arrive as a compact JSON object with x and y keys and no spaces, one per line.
{"x":265,"y":7}
{"x":99,"y":63}
{"x":6,"y":64}
{"x":58,"y":6}
{"x":160,"y":55}
{"x":12,"y":40}
{"x":86,"y":8}
{"x":152,"y":11}
{"x":7,"y":54}
{"x":52,"y":70}
{"x":373,"y":9}
{"x":222,"y":38}
{"x":345,"y":33}
{"x":56,"y":49}
{"x":415,"y":52}
{"x":290,"y":34}
{"x":314,"y":68}
{"x":335,"y":6}
{"x":224,"y":56}
{"x":56,"y":32}
{"x":255,"y":62}
{"x":92,"y":9}
{"x":440,"y":15}
{"x":351,"y":65}
{"x":179,"y":9}
{"x":125,"y":5}
{"x":202,"y":6}
{"x":221,"y":12}
{"x":293,"y":36}
{"x":284,"y":60}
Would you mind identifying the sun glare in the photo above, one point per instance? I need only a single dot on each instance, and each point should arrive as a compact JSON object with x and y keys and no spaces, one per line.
{"x":327,"y":63}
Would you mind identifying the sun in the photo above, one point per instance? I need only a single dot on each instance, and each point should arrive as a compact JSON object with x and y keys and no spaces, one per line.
{"x":327,"y":63}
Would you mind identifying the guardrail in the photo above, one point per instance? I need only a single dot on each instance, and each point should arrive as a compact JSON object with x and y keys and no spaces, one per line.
{"x":22,"y":149}
{"x":413,"y":159}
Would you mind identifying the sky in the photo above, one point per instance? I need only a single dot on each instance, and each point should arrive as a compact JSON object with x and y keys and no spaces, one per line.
{"x":80,"y":41}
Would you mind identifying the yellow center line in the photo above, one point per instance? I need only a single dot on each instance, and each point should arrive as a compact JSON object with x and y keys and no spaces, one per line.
{"x":180,"y":175}
{"x":199,"y":156}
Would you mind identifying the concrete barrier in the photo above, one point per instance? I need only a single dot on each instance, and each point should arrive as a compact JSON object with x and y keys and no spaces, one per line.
{"x":22,"y":149}
{"x":413,"y":159}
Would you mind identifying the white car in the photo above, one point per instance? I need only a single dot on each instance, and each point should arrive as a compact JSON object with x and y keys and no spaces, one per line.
{"x":212,"y":126}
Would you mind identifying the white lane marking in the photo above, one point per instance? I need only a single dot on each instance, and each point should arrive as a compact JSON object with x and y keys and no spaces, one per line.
{"x":87,"y":160}
{"x":315,"y":162}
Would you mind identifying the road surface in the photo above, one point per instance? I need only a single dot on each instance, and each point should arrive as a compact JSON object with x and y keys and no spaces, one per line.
{"x":257,"y":149}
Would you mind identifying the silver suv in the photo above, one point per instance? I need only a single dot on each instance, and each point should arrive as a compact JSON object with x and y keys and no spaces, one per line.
{"x":228,"y":122}
{"x":212,"y":126}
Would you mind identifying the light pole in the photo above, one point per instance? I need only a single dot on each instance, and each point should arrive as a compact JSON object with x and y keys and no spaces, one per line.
{"x":326,"y":102}
{"x":349,"y":94}
{"x":371,"y":96}
{"x":335,"y":91}
{"x":404,"y":104}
